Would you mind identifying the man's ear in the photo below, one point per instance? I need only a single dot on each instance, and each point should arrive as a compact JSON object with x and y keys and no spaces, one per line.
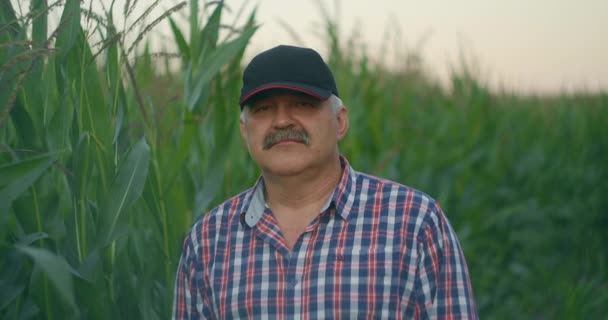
{"x":243,"y":131}
{"x":343,"y":122}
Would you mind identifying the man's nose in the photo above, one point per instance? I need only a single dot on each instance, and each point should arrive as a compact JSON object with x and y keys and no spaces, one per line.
{"x":283,"y":117}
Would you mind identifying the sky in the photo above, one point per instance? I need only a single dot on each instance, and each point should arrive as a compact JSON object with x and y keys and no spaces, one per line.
{"x":533,"y":46}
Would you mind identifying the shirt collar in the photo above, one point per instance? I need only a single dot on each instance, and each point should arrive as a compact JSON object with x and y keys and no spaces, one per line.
{"x":343,"y":196}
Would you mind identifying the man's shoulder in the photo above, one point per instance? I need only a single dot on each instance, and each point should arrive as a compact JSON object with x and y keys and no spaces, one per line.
{"x":390,"y":187}
{"x":204,"y":234}
{"x":404,"y":200}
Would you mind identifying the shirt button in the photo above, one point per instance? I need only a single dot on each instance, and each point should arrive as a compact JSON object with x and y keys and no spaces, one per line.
{"x":293,"y":282}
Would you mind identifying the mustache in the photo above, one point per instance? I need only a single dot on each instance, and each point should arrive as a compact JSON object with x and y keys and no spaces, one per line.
{"x":291,"y":134}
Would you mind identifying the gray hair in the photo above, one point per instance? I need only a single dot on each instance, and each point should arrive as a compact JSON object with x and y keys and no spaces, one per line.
{"x":335,"y":103}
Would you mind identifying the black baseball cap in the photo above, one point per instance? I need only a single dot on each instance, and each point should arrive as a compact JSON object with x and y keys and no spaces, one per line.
{"x":291,"y":68}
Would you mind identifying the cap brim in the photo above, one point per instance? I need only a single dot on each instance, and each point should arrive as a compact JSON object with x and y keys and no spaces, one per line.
{"x":318,"y":93}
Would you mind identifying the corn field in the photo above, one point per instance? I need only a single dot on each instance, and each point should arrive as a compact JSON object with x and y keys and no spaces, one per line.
{"x":106,"y":162}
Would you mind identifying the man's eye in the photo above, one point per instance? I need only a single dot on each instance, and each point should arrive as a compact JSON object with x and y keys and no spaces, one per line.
{"x":305,"y":104}
{"x":260,"y":108}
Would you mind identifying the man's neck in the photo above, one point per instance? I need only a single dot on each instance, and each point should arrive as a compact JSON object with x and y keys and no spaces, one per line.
{"x":304,"y":190}
{"x":296,"y":200}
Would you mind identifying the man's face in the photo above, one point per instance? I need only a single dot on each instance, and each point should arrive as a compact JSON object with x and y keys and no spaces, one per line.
{"x":288,"y":133}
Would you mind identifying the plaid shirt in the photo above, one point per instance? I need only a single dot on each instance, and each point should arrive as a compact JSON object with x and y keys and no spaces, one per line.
{"x":378,"y":250}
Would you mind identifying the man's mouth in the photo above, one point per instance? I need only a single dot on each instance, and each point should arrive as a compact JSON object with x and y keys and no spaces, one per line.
{"x":289,"y":135}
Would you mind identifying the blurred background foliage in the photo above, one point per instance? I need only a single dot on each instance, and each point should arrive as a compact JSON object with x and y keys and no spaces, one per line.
{"x":106,"y":162}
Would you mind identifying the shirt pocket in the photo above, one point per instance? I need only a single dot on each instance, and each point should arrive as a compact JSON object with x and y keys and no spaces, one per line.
{"x":368,"y":280}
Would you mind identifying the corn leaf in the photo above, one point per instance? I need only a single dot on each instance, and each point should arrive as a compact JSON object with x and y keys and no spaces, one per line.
{"x":82,"y":165}
{"x":183,"y":47}
{"x":17,"y":177}
{"x":56,"y":269}
{"x":60,"y":115}
{"x":209,"y":190}
{"x":194,"y":25}
{"x":210,"y":33}
{"x":8,"y":293}
{"x":126,"y":188}
{"x":8,"y":22}
{"x":39,"y":23}
{"x":213,"y":64}
{"x":69,"y":27}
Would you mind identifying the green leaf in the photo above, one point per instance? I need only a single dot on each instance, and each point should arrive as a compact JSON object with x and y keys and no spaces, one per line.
{"x":49,"y":92}
{"x":8,"y":293}
{"x":28,"y":310}
{"x":81,"y":165}
{"x":69,"y":27}
{"x":183,"y":47}
{"x":32,"y":237}
{"x":60,"y":117}
{"x":39,"y":23}
{"x":32,"y":88}
{"x":210,"y":33}
{"x":56,"y":269}
{"x":188,"y":80}
{"x":210,"y":188}
{"x":182,"y":151}
{"x":114,"y":81}
{"x":126,"y":188}
{"x":214,"y":63}
{"x":11,"y":286}
{"x":13,"y":57}
{"x":17,"y":177}
{"x":25,"y":125}
{"x":194,"y":25}
{"x":8,"y":18}
{"x":93,"y":103}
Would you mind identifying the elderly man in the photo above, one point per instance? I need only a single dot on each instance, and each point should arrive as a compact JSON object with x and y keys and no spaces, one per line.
{"x":313,"y":238}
